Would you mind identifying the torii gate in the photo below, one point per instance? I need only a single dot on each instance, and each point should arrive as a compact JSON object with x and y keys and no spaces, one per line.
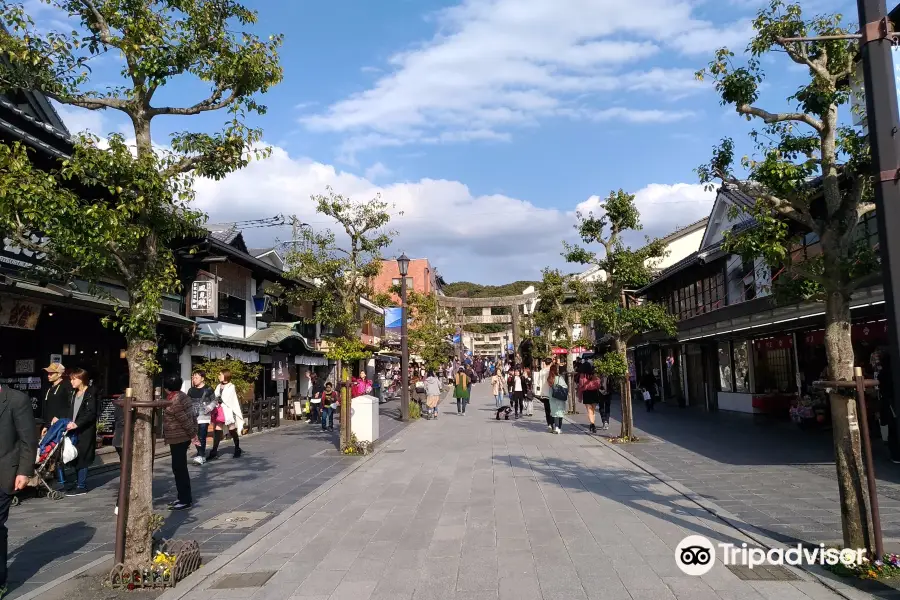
{"x":514,"y":303}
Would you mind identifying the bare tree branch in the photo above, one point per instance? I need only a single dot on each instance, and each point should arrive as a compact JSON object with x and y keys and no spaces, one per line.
{"x":214,"y":102}
{"x":797,"y":52}
{"x":102,"y":27}
{"x":780,"y":205}
{"x":88,"y":102}
{"x":768,"y":117}
{"x":864,"y":208}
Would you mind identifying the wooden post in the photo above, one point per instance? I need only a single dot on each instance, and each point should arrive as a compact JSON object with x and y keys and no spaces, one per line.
{"x":870,"y":466}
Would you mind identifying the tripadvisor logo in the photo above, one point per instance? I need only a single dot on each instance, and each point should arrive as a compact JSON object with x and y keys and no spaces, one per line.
{"x":696,"y":555}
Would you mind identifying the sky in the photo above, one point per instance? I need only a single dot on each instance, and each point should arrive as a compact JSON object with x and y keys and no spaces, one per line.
{"x":486,"y":123}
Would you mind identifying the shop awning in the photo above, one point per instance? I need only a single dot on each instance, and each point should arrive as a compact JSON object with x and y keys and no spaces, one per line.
{"x":59,"y":296}
{"x":312,"y":361}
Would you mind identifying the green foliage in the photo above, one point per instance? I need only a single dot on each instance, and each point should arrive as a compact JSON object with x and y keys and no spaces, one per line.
{"x":354,"y":446}
{"x":108,"y":213}
{"x":415,"y":411}
{"x":612,"y":364}
{"x":341,"y":274}
{"x":346,"y":349}
{"x":429,"y":330}
{"x":243,"y":375}
{"x":623,"y":268}
{"x":561,"y":297}
{"x":807,"y":172}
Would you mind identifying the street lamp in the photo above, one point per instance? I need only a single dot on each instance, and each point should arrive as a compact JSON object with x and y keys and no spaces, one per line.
{"x":403,"y":265}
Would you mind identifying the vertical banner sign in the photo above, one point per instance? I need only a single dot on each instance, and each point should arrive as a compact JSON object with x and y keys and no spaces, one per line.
{"x":393,"y":320}
{"x":204,"y":298}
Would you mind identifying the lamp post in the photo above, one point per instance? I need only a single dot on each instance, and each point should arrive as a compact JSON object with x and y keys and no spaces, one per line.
{"x":403,"y":265}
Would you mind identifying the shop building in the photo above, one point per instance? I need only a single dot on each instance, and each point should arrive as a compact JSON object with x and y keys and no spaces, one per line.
{"x":736,"y":349}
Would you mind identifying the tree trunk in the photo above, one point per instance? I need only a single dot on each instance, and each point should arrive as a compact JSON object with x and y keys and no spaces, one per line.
{"x":854,"y":497}
{"x":625,"y":393}
{"x":138,"y":535}
{"x":344,"y":386}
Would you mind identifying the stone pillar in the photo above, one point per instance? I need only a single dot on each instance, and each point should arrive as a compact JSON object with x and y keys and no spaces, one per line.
{"x":514,"y":311}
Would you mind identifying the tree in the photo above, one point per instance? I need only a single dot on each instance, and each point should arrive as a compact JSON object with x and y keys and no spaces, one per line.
{"x":622,"y":269}
{"x":561,"y":299}
{"x":808,"y":174}
{"x":341,"y":274}
{"x":116,"y":211}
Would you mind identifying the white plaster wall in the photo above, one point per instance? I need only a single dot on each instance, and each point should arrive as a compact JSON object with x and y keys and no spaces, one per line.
{"x":681,"y":247}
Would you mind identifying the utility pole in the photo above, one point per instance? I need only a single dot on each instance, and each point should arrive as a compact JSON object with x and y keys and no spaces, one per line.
{"x":882,"y":119}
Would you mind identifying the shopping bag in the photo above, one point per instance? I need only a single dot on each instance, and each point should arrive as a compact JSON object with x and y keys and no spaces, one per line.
{"x":70,"y":452}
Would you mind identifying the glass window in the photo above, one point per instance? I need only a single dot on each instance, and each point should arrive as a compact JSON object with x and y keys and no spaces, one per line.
{"x":725,"y":381}
{"x":232,"y":310}
{"x":396,"y":282}
{"x":741,"y":367}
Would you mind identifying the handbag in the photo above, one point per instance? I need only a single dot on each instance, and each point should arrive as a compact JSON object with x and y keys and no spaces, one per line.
{"x":218,"y":415}
{"x":560,"y":391}
{"x":69,"y":452}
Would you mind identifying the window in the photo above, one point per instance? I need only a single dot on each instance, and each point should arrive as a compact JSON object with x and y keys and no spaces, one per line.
{"x":232,"y":310}
{"x":725,"y":382}
{"x":396,"y":282}
{"x":741,"y":367}
{"x":704,"y":295}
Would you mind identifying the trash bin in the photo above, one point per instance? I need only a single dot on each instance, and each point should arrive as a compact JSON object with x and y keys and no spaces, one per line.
{"x":364,"y":418}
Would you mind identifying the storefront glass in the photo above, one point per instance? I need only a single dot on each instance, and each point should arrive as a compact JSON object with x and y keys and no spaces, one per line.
{"x":725,"y":382}
{"x":741,"y":366}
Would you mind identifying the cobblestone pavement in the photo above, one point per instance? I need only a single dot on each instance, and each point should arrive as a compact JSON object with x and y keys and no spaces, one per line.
{"x":49,"y":539}
{"x":467,"y":507}
{"x":773,"y":475}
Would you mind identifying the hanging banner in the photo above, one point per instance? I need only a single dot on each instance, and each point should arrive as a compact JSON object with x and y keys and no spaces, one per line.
{"x":393,"y":320}
{"x":18,"y":314}
{"x":281,"y":370}
{"x":205,"y":298}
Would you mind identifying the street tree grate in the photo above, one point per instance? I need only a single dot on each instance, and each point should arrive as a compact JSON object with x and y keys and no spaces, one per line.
{"x":243,"y":580}
{"x":236,"y":520}
{"x":762,"y":573}
{"x":397,"y":451}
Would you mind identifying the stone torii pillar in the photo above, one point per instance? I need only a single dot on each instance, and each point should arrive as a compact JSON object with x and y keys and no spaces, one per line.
{"x":514,"y":312}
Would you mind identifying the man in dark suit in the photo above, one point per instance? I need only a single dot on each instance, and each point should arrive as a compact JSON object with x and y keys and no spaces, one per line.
{"x":18,"y":449}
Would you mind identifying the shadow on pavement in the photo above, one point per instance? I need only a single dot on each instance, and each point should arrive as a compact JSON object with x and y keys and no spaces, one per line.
{"x":39,"y":551}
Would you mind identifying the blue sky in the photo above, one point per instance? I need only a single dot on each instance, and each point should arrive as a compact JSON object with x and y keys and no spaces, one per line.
{"x":487,"y":122}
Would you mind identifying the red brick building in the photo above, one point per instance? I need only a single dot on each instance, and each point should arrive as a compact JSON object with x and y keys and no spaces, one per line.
{"x":422,"y":277}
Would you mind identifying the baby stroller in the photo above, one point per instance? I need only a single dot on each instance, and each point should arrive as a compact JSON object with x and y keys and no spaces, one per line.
{"x":49,"y":457}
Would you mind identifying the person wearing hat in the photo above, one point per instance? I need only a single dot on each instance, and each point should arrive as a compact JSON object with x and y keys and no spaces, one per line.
{"x":58,"y":400}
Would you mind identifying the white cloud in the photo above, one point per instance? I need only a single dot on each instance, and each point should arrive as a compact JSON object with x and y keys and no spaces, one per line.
{"x":466,"y":235}
{"x":707,"y":39}
{"x":496,"y":64}
{"x":79,"y":120}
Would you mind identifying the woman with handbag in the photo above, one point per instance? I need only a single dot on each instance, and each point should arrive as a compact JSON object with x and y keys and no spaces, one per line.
{"x":84,"y":424}
{"x":542,"y":391}
{"x":559,"y":395}
{"x":589,"y":384}
{"x":227,"y":414}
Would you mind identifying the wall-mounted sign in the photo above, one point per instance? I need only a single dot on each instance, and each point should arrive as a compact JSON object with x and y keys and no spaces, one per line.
{"x":205,"y":298}
{"x":13,"y":255}
{"x":18,"y":314}
{"x":281,"y":368}
{"x":25,"y":366}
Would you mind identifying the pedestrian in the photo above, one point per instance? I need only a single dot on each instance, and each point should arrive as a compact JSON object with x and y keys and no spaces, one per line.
{"x":589,"y":384}
{"x":179,"y":431}
{"x":542,"y":391}
{"x":517,"y":393}
{"x":605,"y":400}
{"x":84,"y":424}
{"x":462,"y":391}
{"x":498,"y":388}
{"x":315,"y":398}
{"x":886,"y":393}
{"x":327,"y":400}
{"x":529,"y":391}
{"x":204,"y":403}
{"x":558,"y":392}
{"x":434,"y":389}
{"x":18,"y":448}
{"x":228,"y":414}
{"x":58,"y":399}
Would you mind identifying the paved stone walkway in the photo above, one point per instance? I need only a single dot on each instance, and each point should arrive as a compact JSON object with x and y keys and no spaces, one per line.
{"x":473,"y":508}
{"x":49,"y":539}
{"x":775,"y":476}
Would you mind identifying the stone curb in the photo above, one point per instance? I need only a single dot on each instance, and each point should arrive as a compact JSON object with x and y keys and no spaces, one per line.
{"x":213,"y":568}
{"x":225,"y":557}
{"x":820,"y":575}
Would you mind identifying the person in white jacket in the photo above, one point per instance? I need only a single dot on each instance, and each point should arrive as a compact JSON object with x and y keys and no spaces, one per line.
{"x":230,"y":411}
{"x":542,"y":390}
